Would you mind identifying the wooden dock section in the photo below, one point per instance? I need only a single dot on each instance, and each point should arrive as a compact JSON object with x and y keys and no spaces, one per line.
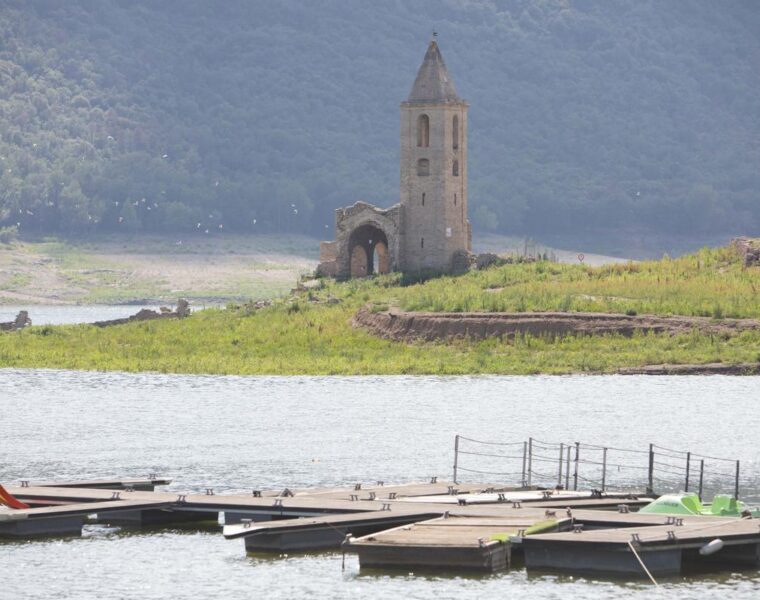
{"x":143,"y":484}
{"x":318,"y":533}
{"x":65,"y":519}
{"x":448,"y":543}
{"x":334,"y":512}
{"x":664,"y":549}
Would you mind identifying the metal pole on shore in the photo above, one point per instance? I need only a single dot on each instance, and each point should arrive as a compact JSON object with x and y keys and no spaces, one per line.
{"x":456,"y":456}
{"x":523,"y":481}
{"x":604,"y":468}
{"x":650,"y":485}
{"x":688,"y":464}
{"x":701,"y":477}
{"x":575,"y":473}
{"x":736,"y":486}
{"x":530,"y":462}
{"x":561,"y":460}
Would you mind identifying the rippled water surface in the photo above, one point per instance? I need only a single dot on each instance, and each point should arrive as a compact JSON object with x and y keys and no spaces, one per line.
{"x":237,"y":433}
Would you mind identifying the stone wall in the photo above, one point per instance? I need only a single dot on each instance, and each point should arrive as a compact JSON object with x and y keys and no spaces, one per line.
{"x":335,"y":256}
{"x":748,"y":249}
{"x":328,"y":259}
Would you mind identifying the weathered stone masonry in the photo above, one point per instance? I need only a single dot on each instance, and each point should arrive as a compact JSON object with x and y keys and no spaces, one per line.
{"x":428,"y":229}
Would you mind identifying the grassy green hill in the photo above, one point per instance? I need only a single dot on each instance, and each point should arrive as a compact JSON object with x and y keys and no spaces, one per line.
{"x":265,"y":116}
{"x":311,"y":333}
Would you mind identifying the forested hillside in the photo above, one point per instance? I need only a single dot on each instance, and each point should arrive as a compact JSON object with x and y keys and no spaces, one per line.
{"x":191,"y":115}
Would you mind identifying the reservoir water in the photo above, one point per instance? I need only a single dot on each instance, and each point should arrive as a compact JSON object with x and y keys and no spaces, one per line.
{"x":68,"y":314}
{"x":239,"y":433}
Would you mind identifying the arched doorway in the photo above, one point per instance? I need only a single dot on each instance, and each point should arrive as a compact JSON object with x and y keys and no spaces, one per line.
{"x":368,"y":251}
{"x":381,"y":260}
{"x":359,"y":262}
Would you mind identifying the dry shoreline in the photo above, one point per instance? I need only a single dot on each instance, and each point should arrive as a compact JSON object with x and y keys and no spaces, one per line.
{"x":152,"y":269}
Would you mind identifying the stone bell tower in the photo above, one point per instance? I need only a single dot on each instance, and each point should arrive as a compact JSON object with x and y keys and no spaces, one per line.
{"x":435,"y":232}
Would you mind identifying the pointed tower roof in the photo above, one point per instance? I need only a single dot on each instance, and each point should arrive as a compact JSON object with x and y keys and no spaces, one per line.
{"x":433,"y":83}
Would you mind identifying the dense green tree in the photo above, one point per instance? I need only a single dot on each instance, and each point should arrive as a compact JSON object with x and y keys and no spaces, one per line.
{"x":247,"y":115}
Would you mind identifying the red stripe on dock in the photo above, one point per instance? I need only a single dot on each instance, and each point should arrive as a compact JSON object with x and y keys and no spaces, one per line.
{"x":9,"y":500}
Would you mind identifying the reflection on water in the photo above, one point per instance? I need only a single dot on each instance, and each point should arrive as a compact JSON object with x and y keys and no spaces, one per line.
{"x":239,"y":433}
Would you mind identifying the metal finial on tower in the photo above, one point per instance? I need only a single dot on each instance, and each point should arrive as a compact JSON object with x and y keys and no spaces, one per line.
{"x":435,"y":34}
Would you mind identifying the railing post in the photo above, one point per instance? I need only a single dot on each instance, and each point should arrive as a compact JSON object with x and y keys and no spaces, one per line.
{"x":567,"y":469}
{"x":524,"y":481}
{"x":456,"y":456}
{"x":561,"y":460}
{"x":688,"y":464}
{"x":530,"y":462}
{"x":736,"y":483}
{"x":575,"y":474}
{"x":701,"y":477}
{"x":650,"y":483}
{"x":604,"y":468}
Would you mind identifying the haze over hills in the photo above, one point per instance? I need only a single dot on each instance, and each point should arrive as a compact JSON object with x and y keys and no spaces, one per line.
{"x":188,"y":115}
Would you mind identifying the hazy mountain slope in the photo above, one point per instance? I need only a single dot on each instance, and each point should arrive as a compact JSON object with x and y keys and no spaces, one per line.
{"x":265,"y":116}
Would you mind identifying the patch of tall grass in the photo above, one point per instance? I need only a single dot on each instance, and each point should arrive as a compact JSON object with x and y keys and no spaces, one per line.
{"x":710,"y":283}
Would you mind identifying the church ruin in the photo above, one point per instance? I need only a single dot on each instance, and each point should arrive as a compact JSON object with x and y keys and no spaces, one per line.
{"x":428,"y":229}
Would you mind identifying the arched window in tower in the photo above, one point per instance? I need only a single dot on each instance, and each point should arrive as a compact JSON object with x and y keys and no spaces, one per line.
{"x":455,"y":133}
{"x":423,"y":131}
{"x":455,"y":169}
{"x":423,"y":167}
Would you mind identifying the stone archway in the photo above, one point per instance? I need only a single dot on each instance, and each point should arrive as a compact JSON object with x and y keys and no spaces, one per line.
{"x":364,"y":243}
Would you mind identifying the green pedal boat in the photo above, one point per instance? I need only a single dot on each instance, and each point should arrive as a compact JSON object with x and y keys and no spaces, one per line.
{"x":689,"y":503}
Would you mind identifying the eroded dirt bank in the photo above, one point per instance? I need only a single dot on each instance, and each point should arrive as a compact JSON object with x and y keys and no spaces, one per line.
{"x":408,"y":326}
{"x":706,"y":369}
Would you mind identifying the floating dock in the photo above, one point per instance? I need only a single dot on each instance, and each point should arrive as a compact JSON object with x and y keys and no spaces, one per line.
{"x":66,"y":519}
{"x":443,"y":525}
{"x":664,"y":549}
{"x":450,"y":543}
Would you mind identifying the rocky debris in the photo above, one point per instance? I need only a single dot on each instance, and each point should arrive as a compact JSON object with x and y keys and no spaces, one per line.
{"x":488,"y":259}
{"x":706,"y":369}
{"x":22,"y":320}
{"x":183,"y":310}
{"x":461,"y":262}
{"x":429,"y":326}
{"x":251,"y":307}
{"x":748,"y":250}
{"x":308,"y":284}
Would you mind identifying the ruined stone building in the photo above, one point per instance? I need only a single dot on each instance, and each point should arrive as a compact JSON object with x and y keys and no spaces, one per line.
{"x":428,"y":229}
